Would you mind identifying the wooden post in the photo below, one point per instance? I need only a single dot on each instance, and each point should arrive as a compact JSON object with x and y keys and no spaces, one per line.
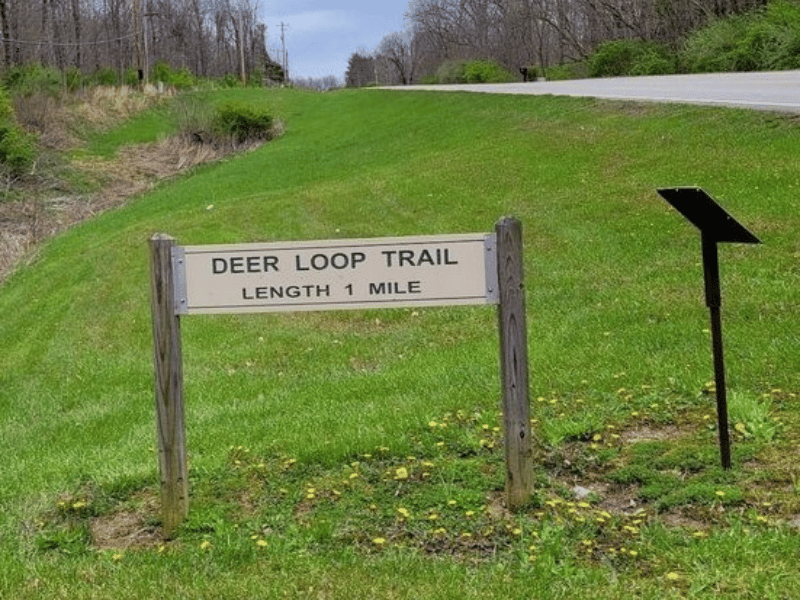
{"x":168,"y":361}
{"x":514,"y":363}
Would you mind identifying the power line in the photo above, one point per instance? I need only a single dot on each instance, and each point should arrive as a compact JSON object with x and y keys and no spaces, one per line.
{"x":49,"y":43}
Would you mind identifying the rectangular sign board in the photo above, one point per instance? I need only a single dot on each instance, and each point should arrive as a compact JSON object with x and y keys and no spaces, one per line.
{"x":336,"y":274}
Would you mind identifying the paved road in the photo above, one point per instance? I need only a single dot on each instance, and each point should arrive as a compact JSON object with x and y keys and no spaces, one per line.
{"x":778,"y":91}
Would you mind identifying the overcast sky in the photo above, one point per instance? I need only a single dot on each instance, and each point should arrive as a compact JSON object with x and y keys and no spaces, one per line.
{"x":321,"y":35}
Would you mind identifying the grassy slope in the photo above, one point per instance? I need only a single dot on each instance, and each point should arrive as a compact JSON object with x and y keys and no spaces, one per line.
{"x":614,"y":295}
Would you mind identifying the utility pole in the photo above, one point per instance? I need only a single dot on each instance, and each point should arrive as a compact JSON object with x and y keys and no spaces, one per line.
{"x":242,"y":69}
{"x":284,"y":56}
{"x":137,"y":27}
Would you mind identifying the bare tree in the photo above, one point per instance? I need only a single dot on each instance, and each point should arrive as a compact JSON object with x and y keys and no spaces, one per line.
{"x":398,"y":50}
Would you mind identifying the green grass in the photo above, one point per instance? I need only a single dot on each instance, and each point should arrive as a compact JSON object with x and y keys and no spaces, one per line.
{"x":280,"y":404}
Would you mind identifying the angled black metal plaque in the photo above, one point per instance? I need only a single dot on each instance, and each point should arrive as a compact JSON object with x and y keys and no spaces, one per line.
{"x":715,"y":225}
{"x":708,"y":216}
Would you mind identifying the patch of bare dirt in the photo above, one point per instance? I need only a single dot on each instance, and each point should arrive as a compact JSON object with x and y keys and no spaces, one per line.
{"x":124,"y":530}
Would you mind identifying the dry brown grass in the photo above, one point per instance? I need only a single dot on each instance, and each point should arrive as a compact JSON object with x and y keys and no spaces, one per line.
{"x":39,"y":213}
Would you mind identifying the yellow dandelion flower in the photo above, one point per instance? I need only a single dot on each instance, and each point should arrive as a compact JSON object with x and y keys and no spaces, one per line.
{"x":262,"y":543}
{"x":379,"y":541}
{"x":205,"y":545}
{"x":401,"y":473}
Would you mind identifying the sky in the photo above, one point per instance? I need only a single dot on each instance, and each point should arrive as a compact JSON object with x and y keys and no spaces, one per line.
{"x":322,"y":35}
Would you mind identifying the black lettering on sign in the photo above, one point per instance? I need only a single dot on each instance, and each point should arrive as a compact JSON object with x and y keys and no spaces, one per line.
{"x":240,"y":264}
{"x":395,"y":287}
{"x":277,"y":292}
{"x":419,"y":258}
{"x":337,"y":260}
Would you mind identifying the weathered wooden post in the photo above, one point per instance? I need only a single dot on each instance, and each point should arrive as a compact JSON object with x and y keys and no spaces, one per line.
{"x":514,"y":363}
{"x":168,"y":364}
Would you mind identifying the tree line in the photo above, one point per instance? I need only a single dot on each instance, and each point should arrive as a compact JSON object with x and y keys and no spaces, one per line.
{"x":528,"y":33}
{"x":207,"y":37}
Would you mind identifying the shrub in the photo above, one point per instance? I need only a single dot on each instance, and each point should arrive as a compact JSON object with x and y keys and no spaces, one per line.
{"x":451,"y":71}
{"x":105,"y":76}
{"x":486,"y":71}
{"x":571,"y":70}
{"x":230,"y":123}
{"x":16,"y":147}
{"x":243,"y":122}
{"x":31,"y":78}
{"x":181,"y":79}
{"x":473,"y":71}
{"x":74,"y":79}
{"x":631,"y":57}
{"x":768,"y":39}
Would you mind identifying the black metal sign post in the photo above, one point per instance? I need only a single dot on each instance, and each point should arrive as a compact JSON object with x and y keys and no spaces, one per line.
{"x":715,"y":225}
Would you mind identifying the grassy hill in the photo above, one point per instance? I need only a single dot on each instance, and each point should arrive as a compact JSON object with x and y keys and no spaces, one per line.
{"x":300,"y":426}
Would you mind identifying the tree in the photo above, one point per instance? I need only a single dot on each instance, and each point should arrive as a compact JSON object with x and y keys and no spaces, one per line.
{"x":360,"y":69}
{"x":398,"y":50}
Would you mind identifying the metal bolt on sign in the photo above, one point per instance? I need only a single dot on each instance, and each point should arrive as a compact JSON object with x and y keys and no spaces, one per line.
{"x":715,"y":225}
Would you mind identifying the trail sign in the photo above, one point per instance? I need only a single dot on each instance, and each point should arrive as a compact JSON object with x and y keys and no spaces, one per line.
{"x":336,"y":274}
{"x":715,"y":225}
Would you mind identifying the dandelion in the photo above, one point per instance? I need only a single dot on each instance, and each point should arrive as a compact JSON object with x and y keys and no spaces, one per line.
{"x":672,"y":576}
{"x":379,"y":541}
{"x":432,"y":424}
{"x":401,"y":473}
{"x":116,"y":557}
{"x":451,"y":502}
{"x":403,"y":512}
{"x":469,"y":514}
{"x":205,"y":545}
{"x":720,"y":493}
{"x":262,"y":543}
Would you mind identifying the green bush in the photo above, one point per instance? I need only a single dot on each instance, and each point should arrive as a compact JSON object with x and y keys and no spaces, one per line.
{"x":767,"y":39}
{"x":631,"y":57}
{"x":486,"y":71}
{"x":178,"y":78}
{"x":105,"y":76}
{"x":74,"y":79}
{"x":243,"y":122}
{"x":27,"y":79}
{"x":564,"y":71}
{"x":451,"y":71}
{"x":473,"y":71}
{"x":231,"y":122}
{"x":17,"y":148}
